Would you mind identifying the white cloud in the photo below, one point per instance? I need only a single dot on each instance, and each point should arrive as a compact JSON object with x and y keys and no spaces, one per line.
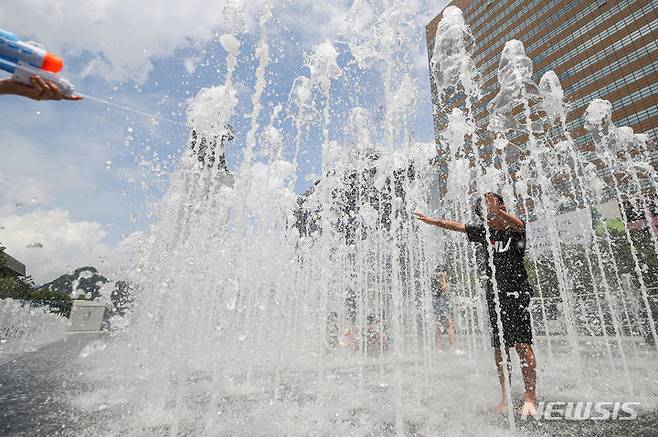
{"x":50,"y":244}
{"x":36,"y":174}
{"x":125,"y":37}
{"x":36,"y":180}
{"x":314,"y":19}
{"x":24,"y":164}
{"x":18,"y":191}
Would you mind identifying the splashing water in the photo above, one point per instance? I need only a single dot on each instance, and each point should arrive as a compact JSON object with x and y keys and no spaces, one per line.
{"x":261,"y":312}
{"x":452,"y":64}
{"x":25,"y":329}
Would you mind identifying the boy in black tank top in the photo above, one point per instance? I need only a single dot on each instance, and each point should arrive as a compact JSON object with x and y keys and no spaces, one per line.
{"x":506,"y":242}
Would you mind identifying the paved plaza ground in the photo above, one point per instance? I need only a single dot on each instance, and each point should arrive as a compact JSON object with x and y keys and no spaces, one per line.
{"x":36,"y":388}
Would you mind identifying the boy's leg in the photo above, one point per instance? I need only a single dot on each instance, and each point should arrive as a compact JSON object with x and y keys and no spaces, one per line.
{"x":498,"y":357}
{"x":437,"y":337}
{"x":529,"y":370}
{"x":440,"y":317}
{"x":452,"y":339}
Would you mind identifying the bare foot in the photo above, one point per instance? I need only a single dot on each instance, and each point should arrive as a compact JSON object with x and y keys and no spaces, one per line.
{"x":501,"y":408}
{"x":529,"y":407}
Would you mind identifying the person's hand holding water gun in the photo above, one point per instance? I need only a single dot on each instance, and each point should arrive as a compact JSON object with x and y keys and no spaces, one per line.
{"x":33,"y":69}
{"x":39,"y":89}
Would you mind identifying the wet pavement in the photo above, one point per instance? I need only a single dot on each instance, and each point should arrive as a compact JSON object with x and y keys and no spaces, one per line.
{"x":35,"y":389}
{"x":32,"y":386}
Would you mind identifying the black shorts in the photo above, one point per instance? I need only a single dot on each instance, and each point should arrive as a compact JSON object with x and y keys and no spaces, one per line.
{"x":515,"y":315}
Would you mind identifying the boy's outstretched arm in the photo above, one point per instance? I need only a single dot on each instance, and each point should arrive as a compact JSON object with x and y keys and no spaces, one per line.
{"x":450,"y":225}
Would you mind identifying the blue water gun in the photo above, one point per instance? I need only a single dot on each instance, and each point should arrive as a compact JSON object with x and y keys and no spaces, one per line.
{"x":24,"y":60}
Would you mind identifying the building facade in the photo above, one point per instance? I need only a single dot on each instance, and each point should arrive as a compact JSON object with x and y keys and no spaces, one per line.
{"x":599,"y":49}
{"x":606,"y":49}
{"x":12,"y":265}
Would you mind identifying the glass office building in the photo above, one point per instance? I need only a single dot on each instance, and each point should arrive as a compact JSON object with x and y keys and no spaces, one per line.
{"x":599,"y":49}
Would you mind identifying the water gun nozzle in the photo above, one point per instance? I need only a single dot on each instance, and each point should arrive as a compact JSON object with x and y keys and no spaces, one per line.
{"x":52,"y":63}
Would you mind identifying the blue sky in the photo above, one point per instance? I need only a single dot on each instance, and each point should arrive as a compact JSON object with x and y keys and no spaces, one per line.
{"x":80,"y":178}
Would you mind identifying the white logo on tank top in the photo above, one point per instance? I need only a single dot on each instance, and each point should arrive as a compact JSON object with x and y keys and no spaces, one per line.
{"x":499,"y":247}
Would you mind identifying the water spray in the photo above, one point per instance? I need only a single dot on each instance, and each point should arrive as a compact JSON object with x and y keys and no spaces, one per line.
{"x":134,"y":111}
